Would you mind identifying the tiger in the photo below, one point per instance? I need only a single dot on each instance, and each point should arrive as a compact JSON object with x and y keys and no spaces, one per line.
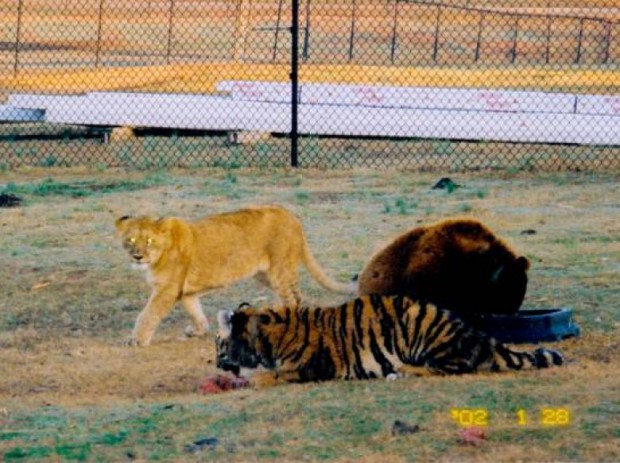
{"x":458,"y":264}
{"x":368,"y":337}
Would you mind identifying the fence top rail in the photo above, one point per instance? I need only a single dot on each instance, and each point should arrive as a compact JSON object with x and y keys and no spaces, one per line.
{"x":508,"y":13}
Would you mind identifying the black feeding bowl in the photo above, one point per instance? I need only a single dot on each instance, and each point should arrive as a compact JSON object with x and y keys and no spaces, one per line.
{"x":531,"y":326}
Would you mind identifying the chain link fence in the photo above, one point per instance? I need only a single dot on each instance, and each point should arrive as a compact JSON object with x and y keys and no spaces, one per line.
{"x":458,"y":85}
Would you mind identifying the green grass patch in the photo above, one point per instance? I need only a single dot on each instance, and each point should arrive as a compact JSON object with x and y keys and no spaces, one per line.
{"x":82,"y":188}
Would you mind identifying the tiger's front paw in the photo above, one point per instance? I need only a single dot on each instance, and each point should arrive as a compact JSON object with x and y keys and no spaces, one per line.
{"x":259,"y":380}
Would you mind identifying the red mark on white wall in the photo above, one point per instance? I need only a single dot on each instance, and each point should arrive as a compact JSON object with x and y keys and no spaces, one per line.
{"x":495,"y":101}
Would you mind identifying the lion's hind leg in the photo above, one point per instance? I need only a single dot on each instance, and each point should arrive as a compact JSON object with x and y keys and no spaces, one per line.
{"x":286,"y":286}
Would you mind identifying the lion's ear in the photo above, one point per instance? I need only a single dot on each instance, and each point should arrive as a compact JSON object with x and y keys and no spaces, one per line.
{"x":224,"y":322}
{"x":164,"y":224}
{"x":121,"y":223}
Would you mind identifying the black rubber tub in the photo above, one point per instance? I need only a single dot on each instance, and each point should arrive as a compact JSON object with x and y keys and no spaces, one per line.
{"x":532,"y":326}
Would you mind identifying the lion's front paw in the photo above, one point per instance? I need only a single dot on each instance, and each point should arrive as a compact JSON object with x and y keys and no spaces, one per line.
{"x":132,"y":341}
{"x":129,"y":342}
{"x":191,"y":331}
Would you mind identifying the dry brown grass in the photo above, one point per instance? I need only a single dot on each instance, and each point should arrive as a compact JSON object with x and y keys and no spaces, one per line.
{"x":69,"y":299}
{"x":64,"y":32}
{"x":202,"y":78}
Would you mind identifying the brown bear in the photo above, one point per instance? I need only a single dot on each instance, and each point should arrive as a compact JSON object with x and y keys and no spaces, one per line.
{"x":456,"y":264}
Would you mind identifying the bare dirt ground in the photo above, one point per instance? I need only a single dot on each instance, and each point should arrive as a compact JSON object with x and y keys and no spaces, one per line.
{"x":70,"y":299}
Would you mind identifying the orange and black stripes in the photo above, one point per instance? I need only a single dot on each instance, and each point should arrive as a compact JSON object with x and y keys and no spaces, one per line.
{"x":368,"y":337}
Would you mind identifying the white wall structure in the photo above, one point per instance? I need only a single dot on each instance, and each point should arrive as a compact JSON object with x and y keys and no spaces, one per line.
{"x":350,"y":110}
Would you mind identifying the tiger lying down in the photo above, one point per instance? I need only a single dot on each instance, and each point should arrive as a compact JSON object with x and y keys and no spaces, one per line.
{"x":368,"y":337}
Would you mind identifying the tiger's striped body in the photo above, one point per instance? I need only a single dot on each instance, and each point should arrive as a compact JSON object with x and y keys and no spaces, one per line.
{"x":368,"y":337}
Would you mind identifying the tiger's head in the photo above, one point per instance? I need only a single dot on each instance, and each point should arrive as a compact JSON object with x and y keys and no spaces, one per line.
{"x":145,"y":239}
{"x":222,"y":348}
{"x":241,"y":341}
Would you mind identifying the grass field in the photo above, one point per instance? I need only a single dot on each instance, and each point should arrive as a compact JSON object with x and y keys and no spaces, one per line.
{"x":70,"y":391}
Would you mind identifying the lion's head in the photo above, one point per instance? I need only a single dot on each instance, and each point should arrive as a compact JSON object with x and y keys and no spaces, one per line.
{"x":145,"y":239}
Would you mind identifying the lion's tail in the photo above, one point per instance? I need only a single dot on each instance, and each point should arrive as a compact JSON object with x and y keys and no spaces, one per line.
{"x":322,"y":278}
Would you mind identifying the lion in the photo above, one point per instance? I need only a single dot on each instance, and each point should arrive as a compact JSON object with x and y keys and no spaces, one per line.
{"x":457,"y":264}
{"x":185,"y":259}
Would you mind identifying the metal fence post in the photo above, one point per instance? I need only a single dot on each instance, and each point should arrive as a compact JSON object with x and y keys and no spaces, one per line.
{"x":436,"y":39}
{"x":99,"y":29}
{"x":352,"y":34}
{"x":479,"y":37}
{"x":607,"y":42}
{"x":548,"y":41}
{"x":294,"y":82}
{"x":18,"y":37}
{"x":515,"y":41}
{"x":579,"y":41}
{"x":275,"y":41}
{"x":170,"y":26}
{"x":306,"y":52}
{"x":394,"y":32}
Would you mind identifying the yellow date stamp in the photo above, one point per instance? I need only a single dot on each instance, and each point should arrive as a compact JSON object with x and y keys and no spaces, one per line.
{"x":547,"y":416}
{"x":470,"y":416}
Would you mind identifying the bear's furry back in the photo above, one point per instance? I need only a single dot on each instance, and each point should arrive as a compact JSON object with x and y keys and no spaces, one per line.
{"x":457,"y":264}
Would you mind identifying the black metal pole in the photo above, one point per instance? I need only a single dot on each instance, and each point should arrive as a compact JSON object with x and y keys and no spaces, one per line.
{"x":294,"y":82}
